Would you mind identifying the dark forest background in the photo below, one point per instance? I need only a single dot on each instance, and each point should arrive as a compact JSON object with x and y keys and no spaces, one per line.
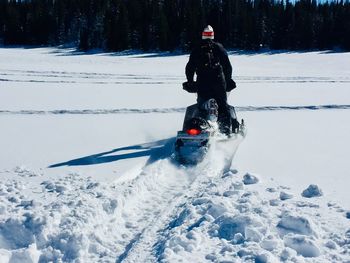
{"x":115,"y":25}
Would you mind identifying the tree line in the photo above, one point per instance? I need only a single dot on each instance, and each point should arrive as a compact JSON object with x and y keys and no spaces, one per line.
{"x":115,"y":25}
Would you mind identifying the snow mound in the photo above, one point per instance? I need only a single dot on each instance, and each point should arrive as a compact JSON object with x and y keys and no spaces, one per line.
{"x":22,"y":255}
{"x":227,"y":223}
{"x":285,"y":196}
{"x":312,"y":191}
{"x":250,"y":179}
{"x":69,"y":225}
{"x":347,"y":215}
{"x":15,"y":234}
{"x":296,"y":224}
{"x":302,"y":245}
{"x":238,"y":228}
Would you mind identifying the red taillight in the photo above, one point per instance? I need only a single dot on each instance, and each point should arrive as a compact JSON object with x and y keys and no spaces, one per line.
{"x":193,"y":131}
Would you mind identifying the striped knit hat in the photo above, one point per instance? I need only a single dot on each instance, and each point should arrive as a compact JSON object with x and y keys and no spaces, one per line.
{"x":208,"y":33}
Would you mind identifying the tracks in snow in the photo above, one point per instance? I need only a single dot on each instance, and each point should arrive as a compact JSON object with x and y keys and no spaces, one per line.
{"x":154,"y":198}
{"x":146,"y":200}
{"x":170,"y":110}
{"x":70,"y":77}
{"x":150,"y":201}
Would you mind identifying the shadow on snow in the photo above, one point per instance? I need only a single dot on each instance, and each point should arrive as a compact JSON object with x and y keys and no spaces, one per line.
{"x":155,"y":150}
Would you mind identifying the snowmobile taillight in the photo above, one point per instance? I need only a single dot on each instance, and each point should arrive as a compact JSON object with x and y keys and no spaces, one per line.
{"x":193,"y":131}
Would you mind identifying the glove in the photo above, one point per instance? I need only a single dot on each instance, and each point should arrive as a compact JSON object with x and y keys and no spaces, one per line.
{"x":230,"y":85}
{"x":190,"y":86}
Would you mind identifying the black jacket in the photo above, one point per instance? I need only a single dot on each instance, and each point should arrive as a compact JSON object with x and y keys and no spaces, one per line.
{"x":211,"y":83}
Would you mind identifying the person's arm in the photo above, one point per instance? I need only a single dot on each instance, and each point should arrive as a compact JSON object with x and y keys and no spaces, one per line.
{"x":225,"y":62}
{"x":191,"y":67}
{"x":227,"y":68}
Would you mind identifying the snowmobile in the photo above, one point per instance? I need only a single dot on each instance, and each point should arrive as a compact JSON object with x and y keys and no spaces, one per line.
{"x":200,"y":129}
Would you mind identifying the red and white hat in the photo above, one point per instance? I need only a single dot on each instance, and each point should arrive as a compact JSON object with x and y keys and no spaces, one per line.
{"x":208,"y":33}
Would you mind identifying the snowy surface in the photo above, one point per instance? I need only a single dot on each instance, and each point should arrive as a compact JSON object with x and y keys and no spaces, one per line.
{"x":86,"y":173}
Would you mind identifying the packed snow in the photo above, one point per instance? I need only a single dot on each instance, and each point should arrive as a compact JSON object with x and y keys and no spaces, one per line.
{"x":87,"y":172}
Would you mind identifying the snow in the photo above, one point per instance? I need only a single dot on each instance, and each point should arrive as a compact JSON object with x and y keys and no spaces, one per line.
{"x":250,"y":179}
{"x":285,"y":196}
{"x":86,"y":173}
{"x":312,"y":191}
{"x":302,"y":245}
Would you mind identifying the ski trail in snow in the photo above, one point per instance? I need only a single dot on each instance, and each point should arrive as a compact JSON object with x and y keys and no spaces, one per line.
{"x":81,"y":82}
{"x":170,"y":200}
{"x":170,"y":110}
{"x":146,"y":199}
{"x":110,"y":78}
{"x":55,"y":77}
{"x":185,"y":184}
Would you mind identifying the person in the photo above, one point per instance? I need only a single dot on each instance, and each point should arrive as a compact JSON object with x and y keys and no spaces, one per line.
{"x":212,"y":66}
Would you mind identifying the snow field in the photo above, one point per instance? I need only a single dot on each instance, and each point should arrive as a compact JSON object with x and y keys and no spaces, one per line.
{"x":79,"y":219}
{"x":86,"y":173}
{"x":167,"y":214}
{"x":233,"y":222}
{"x":59,"y":79}
{"x":63,"y":225}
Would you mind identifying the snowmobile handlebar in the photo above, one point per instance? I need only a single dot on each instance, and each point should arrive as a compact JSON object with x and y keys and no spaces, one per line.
{"x":192,"y":87}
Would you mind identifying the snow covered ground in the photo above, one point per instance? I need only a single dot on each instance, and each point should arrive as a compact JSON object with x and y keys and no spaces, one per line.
{"x":86,"y":173}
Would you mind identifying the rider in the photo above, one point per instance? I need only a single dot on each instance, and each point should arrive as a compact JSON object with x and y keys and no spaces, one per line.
{"x":212,"y":66}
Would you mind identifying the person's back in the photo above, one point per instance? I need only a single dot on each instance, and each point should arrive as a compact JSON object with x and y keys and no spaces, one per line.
{"x":211,"y":64}
{"x":205,"y":61}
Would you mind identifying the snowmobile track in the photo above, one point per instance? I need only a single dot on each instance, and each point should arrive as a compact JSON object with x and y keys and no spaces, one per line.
{"x":139,"y":249}
{"x":164,"y":203}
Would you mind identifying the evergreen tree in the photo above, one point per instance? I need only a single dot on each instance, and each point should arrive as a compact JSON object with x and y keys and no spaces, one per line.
{"x":171,"y":24}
